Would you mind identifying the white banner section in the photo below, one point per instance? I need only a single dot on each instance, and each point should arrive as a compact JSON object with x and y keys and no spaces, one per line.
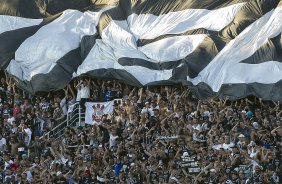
{"x":95,"y":111}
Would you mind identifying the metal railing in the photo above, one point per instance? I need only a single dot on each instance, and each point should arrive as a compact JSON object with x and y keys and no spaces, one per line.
{"x":75,"y":117}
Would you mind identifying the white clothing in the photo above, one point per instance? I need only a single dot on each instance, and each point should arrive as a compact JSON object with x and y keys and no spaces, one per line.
{"x":78,"y":95}
{"x":224,"y":146}
{"x":71,"y":105}
{"x":217,"y":147}
{"x":101,"y":179}
{"x":11,"y":120}
{"x":198,"y":127}
{"x":64,"y":160}
{"x":14,"y":130}
{"x":207,"y":113}
{"x":7,"y":164}
{"x":228,"y":146}
{"x":27,"y":138}
{"x":2,"y":143}
{"x":197,"y":139}
{"x":85,"y":91}
{"x":201,"y":126}
{"x":28,"y":176}
{"x":252,"y":152}
{"x":145,"y":110}
{"x":113,"y":140}
{"x":63,"y":105}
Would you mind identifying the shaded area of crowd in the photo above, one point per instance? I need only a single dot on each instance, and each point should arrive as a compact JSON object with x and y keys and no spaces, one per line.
{"x":155,"y":135}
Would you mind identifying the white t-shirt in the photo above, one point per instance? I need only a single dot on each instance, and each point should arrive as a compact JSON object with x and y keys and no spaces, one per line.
{"x":85,"y":91}
{"x":206,"y":113}
{"x":27,"y":136}
{"x":217,"y":147}
{"x":2,"y":143}
{"x":14,"y":129}
{"x":7,"y":164}
{"x":145,"y":110}
{"x":71,"y":105}
{"x":78,"y":95}
{"x":252,"y":152}
{"x":10,"y":120}
{"x":113,"y":140}
{"x":228,"y":146}
{"x":64,"y":160}
{"x":63,"y":105}
{"x":28,"y":176}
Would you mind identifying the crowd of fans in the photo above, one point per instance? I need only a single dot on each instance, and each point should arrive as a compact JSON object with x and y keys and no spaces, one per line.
{"x":156,"y":135}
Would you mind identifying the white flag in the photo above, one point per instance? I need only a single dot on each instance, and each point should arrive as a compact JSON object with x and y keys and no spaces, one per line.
{"x":95,"y":111}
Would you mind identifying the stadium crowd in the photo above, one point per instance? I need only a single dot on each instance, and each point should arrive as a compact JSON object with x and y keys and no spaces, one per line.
{"x":158,"y":135}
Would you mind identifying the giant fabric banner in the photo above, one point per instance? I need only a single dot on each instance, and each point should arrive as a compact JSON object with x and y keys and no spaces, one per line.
{"x":95,"y":111}
{"x":226,"y":48}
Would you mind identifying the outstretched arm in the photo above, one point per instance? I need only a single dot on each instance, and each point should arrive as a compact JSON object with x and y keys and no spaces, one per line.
{"x":72,"y":93}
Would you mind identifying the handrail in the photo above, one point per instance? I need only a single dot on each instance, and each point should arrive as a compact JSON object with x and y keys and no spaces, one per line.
{"x":70,"y":120}
{"x":53,"y":129}
{"x":74,"y":109}
{"x":65,"y":121}
{"x":78,"y":116}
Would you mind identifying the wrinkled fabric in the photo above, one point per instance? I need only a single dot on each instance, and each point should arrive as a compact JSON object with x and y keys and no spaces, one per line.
{"x":218,"y":48}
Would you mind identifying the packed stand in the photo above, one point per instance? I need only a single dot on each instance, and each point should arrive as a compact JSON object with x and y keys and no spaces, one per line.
{"x":156,"y":135}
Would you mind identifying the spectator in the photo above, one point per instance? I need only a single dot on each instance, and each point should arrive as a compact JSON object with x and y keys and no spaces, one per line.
{"x":3,"y":143}
{"x":84,"y":90}
{"x":44,"y":105}
{"x":58,"y":113}
{"x":107,"y":91}
{"x":27,"y":134}
{"x":11,"y":118}
{"x":162,"y":135}
{"x":16,"y":110}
